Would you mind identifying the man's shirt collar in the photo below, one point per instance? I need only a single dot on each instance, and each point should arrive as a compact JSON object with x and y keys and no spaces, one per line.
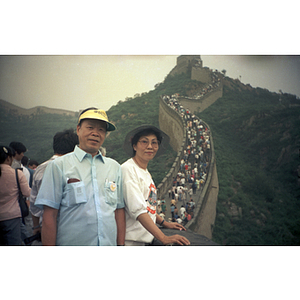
{"x":81,"y":154}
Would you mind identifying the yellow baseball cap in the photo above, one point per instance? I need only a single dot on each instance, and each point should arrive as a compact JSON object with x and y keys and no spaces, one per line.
{"x":97,"y":114}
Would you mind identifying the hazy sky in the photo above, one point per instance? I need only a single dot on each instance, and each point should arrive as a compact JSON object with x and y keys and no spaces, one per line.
{"x":267,"y":71}
{"x":76,"y":82}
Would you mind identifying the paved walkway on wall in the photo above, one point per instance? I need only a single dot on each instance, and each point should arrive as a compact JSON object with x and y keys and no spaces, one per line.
{"x":195,"y":197}
{"x":206,"y":219}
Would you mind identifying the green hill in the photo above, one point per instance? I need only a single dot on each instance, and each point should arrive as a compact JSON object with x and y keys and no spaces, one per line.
{"x":35,"y":131}
{"x":257,"y":140}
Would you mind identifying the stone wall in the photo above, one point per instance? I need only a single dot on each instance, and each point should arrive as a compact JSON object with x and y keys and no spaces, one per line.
{"x":201,"y":74}
{"x":184,"y":63}
{"x":198,"y":105}
{"x":171,"y":123}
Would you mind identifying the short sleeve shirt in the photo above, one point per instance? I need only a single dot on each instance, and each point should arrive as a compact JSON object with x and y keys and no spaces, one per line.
{"x":86,"y":190}
{"x":140,"y":196}
{"x":36,"y":184}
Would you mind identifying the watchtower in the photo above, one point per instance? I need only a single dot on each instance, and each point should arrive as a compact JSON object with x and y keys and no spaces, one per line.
{"x":194,"y":65}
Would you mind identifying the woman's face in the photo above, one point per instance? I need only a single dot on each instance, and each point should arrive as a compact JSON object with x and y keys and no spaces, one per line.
{"x":146,"y":147}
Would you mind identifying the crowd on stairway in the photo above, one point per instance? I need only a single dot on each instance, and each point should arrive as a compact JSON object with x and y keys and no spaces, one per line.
{"x":216,"y":81}
{"x":193,"y":170}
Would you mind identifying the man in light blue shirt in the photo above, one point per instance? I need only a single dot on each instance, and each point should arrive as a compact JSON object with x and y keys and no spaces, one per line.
{"x":63,"y":142}
{"x":81,"y":192}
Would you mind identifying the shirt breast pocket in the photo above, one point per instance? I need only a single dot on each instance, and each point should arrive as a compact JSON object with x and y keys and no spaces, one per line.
{"x":111,"y":193}
{"x":74,"y":194}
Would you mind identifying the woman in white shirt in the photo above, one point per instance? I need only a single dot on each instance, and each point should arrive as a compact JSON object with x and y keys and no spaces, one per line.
{"x":143,"y":144}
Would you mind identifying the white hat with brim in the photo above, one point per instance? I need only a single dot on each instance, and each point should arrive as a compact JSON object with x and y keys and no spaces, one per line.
{"x":127,"y":146}
{"x":97,"y":114}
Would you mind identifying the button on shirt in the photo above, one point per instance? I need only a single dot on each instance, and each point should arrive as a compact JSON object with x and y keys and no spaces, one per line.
{"x":87,"y":204}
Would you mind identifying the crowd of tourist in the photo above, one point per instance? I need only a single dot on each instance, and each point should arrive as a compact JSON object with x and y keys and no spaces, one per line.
{"x":216,"y":81}
{"x":193,"y":170}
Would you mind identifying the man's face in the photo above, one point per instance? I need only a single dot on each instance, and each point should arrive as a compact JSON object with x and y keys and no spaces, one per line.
{"x":91,"y":135}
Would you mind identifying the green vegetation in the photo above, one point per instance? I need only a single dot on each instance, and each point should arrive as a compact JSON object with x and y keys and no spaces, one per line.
{"x":257,"y":140}
{"x":35,"y":132}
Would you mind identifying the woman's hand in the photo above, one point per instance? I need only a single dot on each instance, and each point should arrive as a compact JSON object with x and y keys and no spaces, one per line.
{"x":173,"y":225}
{"x":179,"y":239}
{"x":147,"y":222}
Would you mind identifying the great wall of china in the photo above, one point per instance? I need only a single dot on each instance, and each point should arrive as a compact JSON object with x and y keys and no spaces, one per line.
{"x":174,"y":125}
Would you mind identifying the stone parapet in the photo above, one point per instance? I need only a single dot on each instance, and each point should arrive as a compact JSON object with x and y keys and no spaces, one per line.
{"x":194,"y":238}
{"x":199,"y":105}
{"x":171,"y":122}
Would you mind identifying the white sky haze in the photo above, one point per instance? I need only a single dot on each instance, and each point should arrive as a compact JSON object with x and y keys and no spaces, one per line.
{"x":74,"y":82}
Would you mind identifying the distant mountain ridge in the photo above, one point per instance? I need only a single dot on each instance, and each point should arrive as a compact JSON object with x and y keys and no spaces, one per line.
{"x":17,"y":110}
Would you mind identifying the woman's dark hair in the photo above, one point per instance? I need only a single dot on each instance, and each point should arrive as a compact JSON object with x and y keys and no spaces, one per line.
{"x":144,"y":132}
{"x":4,"y":153}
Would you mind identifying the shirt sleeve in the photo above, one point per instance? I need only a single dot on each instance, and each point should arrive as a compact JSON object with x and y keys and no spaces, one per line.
{"x":51,"y":190}
{"x":135,"y":204}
